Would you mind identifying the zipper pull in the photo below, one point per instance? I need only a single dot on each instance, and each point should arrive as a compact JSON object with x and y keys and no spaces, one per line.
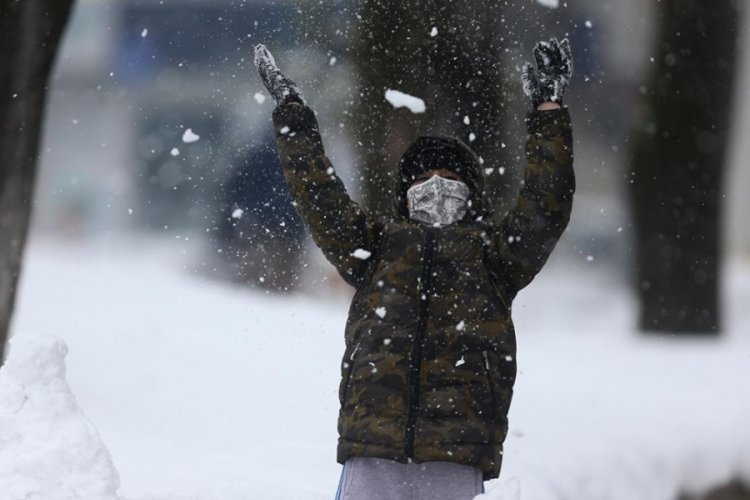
{"x":486,"y":360}
{"x":354,"y":351}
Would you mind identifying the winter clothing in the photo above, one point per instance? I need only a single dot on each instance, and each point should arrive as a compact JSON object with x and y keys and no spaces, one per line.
{"x":380,"y":479}
{"x":430,"y":358}
{"x":433,"y":152}
{"x":282,"y":89}
{"x":555,"y":67}
{"x":438,"y":201}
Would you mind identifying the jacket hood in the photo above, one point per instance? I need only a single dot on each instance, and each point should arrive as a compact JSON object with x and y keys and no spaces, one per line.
{"x":430,"y":152}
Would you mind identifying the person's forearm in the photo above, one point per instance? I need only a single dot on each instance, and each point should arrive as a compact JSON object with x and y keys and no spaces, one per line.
{"x":531,"y":228}
{"x":338,"y":226}
{"x":546,"y":106}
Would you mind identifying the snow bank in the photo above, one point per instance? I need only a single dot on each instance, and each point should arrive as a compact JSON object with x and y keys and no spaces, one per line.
{"x":48,"y":449}
{"x":399,"y":99}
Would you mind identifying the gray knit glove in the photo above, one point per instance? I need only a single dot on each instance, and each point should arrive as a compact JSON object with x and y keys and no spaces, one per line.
{"x":281,"y":88}
{"x":554,"y":62}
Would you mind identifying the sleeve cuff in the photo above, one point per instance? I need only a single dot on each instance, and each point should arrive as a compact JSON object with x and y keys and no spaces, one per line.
{"x":295,"y":123}
{"x":548,"y":123}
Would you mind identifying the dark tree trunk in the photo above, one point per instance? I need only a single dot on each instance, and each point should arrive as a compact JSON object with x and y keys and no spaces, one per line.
{"x":677,"y":164}
{"x":30,"y":33}
{"x":457,"y":72}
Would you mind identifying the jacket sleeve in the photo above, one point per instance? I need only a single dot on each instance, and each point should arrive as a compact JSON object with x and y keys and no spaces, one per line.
{"x":529,"y":232}
{"x":341,"y":229}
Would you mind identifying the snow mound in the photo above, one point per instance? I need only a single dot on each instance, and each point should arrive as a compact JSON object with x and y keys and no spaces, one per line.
{"x":48,"y":448}
{"x":400,"y":100}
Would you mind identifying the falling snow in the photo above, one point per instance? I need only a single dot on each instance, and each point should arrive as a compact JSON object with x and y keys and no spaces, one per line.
{"x":361,"y":254}
{"x":400,"y":100}
{"x":190,"y":136}
{"x":547,"y":456}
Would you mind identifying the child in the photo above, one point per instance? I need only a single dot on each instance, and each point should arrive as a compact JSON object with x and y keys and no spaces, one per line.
{"x":430,"y":359}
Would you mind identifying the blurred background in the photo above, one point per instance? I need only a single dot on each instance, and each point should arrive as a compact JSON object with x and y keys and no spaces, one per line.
{"x":157,"y":147}
{"x":132,"y":77}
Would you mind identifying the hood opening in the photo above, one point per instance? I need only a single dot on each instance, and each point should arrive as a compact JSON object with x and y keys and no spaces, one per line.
{"x":432,"y":152}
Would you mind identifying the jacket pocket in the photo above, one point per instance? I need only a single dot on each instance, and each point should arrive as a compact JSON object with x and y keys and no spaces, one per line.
{"x":486,"y":367}
{"x":347,"y":370}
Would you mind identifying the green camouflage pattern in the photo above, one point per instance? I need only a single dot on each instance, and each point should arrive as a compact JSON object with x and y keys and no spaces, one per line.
{"x":430,"y":358}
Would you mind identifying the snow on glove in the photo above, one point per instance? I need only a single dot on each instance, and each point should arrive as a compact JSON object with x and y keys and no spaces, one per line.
{"x":281,"y":88}
{"x":554,"y":63}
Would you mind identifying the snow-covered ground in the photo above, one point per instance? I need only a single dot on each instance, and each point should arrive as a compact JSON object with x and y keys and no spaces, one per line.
{"x":203,"y":390}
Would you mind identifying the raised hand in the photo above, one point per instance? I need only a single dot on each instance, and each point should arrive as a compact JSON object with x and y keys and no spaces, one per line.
{"x":281,"y":88}
{"x":554,"y":67}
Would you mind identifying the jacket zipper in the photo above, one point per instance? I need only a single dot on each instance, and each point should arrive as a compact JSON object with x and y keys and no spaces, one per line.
{"x":416,"y":352}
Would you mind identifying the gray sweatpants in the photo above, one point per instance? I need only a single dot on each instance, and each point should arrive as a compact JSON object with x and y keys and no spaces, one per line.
{"x":380,"y":479}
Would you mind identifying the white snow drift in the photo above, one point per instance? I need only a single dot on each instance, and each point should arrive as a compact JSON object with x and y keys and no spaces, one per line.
{"x":48,"y":448}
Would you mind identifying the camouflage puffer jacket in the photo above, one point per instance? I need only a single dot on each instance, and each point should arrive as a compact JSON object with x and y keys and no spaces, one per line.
{"x":430,"y":359}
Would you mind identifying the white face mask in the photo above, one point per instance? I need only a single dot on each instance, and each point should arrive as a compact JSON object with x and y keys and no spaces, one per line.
{"x":438,"y":201}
